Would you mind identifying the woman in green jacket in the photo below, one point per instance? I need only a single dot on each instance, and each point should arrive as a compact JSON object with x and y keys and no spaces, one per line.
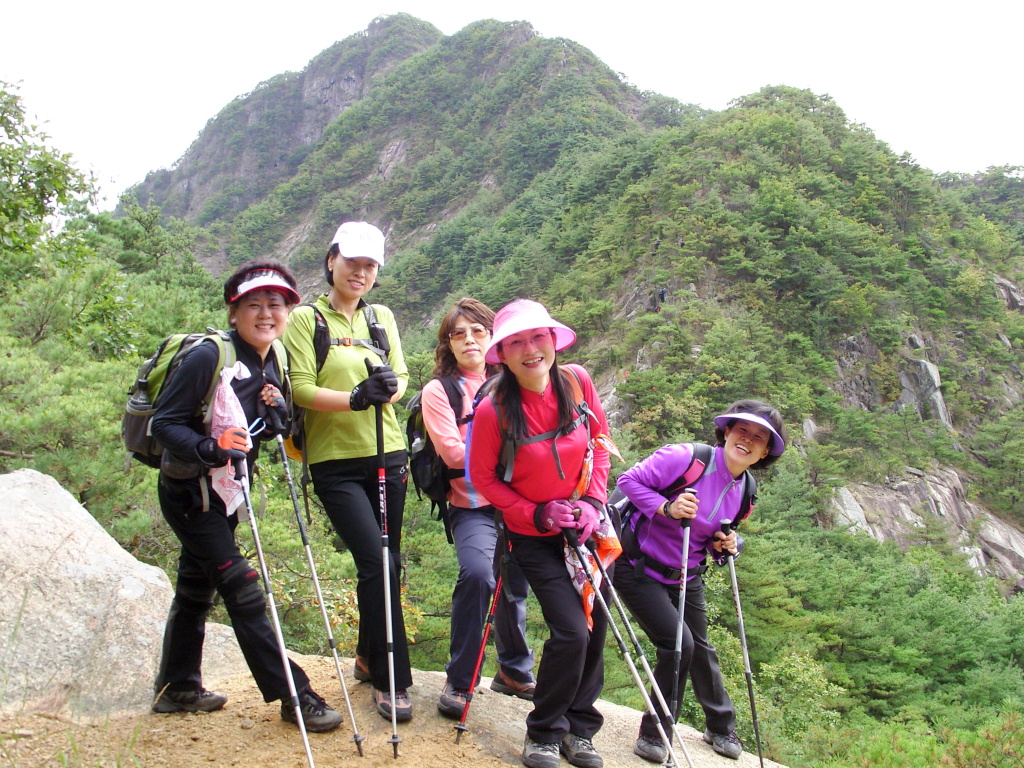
{"x":341,"y":442}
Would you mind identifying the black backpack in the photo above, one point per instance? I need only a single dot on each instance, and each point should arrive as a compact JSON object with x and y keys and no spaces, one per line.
{"x":431,"y":477}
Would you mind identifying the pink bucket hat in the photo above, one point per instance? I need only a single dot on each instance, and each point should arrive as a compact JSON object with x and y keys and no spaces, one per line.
{"x":525,"y":315}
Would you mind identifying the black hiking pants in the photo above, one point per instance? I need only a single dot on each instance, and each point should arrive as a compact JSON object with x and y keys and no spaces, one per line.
{"x":655,"y":606}
{"x":348,"y":489}
{"x":210,"y":563}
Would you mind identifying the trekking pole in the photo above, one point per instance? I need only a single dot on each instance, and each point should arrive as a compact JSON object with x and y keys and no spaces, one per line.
{"x":573,"y":540}
{"x":488,"y":623}
{"x":240,"y":473}
{"x":279,"y":428}
{"x":382,"y":495}
{"x":669,"y":714}
{"x":677,"y":653}
{"x":726,"y":528}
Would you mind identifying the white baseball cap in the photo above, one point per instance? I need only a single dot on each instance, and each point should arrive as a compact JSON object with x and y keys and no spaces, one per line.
{"x":359,"y":239}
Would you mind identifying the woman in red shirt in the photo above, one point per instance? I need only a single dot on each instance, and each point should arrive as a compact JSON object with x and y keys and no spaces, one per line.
{"x":557,"y":480}
{"x":462,"y":342}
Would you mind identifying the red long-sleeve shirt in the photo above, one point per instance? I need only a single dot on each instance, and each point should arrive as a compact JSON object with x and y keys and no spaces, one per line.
{"x":535,"y":477}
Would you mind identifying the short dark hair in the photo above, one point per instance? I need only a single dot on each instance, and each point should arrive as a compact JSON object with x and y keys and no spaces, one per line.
{"x":473,"y":310}
{"x":238,"y":276}
{"x":766,"y":412}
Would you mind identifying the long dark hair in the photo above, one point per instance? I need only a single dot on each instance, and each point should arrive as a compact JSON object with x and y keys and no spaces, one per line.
{"x":766,"y":412}
{"x":474,"y":311}
{"x":509,"y":396}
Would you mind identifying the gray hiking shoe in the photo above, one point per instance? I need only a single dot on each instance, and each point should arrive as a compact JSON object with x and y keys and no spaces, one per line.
{"x":403,"y":705}
{"x":650,"y":748}
{"x":540,"y":754}
{"x":726,"y":744}
{"x":452,"y":702}
{"x":316,"y":714}
{"x":200,"y":700}
{"x":580,"y":752}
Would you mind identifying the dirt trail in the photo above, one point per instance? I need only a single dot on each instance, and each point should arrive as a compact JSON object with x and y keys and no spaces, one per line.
{"x":249,"y":733}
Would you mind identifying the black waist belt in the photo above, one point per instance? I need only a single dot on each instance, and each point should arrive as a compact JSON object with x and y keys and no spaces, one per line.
{"x":633,"y":552}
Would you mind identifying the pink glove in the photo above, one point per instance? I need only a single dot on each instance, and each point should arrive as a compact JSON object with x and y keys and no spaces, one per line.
{"x":589,"y":519}
{"x":554,"y":516}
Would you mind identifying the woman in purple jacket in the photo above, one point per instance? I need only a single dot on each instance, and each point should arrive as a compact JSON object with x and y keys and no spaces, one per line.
{"x":749,"y":435}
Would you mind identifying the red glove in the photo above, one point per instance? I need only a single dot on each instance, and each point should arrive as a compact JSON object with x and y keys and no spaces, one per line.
{"x":554,"y":516}
{"x":236,"y":439}
{"x":589,"y":519}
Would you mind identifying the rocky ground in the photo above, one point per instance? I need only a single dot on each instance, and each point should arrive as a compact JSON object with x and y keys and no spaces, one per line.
{"x":250,"y":733}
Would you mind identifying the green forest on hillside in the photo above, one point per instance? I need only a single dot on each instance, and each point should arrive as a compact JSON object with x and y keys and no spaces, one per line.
{"x":778,"y":230}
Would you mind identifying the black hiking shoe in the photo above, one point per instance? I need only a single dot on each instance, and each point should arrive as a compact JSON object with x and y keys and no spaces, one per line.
{"x":316,"y":714}
{"x":727,"y":744}
{"x":200,"y":700}
{"x":361,"y":670}
{"x":650,"y":748}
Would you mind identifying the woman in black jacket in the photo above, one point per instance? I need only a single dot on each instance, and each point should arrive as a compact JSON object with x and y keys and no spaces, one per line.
{"x":259,"y":296}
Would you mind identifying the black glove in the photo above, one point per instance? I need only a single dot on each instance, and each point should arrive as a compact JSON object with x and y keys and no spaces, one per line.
{"x":377,"y":389}
{"x":213,"y":455}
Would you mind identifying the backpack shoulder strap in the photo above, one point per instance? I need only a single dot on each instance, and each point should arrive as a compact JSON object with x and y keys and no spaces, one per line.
{"x":378,"y":342}
{"x":510,"y":445}
{"x":321,"y":337}
{"x":225,"y":358}
{"x":454,"y":392}
{"x":700,"y":457}
{"x":323,"y":341}
{"x":455,"y":400}
{"x":749,"y":497}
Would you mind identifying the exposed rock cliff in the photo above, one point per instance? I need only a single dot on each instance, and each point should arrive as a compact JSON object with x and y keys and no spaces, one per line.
{"x":260,"y":138}
{"x":893,"y":511}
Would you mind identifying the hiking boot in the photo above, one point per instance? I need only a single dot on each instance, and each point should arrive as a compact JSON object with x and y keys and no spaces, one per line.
{"x":361,"y":670}
{"x":452,"y":702}
{"x":316,"y":714}
{"x":650,"y":748}
{"x":502,"y":683}
{"x":200,"y":700}
{"x":580,"y":751}
{"x":403,"y":705}
{"x":540,"y":754}
{"x":727,"y":744}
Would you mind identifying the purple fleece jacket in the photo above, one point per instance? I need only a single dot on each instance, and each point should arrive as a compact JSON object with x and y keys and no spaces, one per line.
{"x":719,"y":496}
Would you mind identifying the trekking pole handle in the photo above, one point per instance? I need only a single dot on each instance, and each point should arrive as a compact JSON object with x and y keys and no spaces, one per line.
{"x":239,"y":464}
{"x":684,"y":522}
{"x":727,"y":527}
{"x":275,"y":418}
{"x":571,"y":536}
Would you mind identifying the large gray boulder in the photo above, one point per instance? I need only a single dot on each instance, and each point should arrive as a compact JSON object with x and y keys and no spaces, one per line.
{"x":81,"y":620}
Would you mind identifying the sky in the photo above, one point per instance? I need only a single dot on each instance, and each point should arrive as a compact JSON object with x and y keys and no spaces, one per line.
{"x":125,"y":87}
